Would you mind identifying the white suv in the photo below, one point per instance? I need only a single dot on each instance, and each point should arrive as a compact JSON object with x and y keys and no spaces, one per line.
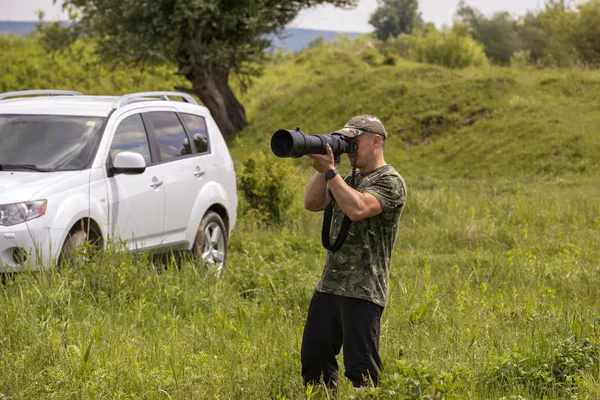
{"x":142,"y":169}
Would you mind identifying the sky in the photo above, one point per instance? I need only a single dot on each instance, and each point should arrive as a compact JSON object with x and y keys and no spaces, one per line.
{"x":323,"y":17}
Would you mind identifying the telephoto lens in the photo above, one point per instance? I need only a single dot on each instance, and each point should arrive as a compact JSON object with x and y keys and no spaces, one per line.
{"x":295,"y":143}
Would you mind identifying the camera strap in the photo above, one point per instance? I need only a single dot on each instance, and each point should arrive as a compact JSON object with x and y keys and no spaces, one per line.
{"x":327,"y":217}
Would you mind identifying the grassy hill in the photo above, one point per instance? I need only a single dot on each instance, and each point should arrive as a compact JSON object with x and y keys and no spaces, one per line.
{"x":491,"y":122}
{"x":495,"y":273}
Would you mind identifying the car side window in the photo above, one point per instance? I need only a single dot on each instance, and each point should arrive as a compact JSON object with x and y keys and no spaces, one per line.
{"x":131,"y":136}
{"x":196,"y":126}
{"x":171,"y":138}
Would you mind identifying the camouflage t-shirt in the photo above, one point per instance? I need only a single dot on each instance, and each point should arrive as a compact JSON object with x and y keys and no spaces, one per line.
{"x":361,"y":267}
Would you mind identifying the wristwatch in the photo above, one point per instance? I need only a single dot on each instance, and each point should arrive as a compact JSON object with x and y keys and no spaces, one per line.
{"x":330,"y":174}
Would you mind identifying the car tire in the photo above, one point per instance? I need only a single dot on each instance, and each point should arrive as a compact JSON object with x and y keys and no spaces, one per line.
{"x":74,"y":252}
{"x":210,"y":245}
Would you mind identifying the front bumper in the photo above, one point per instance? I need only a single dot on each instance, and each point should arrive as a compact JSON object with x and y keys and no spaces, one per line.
{"x":26,"y":246}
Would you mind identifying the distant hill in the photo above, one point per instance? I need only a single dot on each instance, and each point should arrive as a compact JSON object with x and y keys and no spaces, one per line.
{"x":17,"y":27}
{"x":293,"y":39}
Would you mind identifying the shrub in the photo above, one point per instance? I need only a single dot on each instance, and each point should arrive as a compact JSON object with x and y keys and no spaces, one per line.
{"x":450,"y":48}
{"x":371,"y":56}
{"x":267,"y":185}
{"x":390,"y":59}
{"x":520,"y":59}
{"x":556,"y":372}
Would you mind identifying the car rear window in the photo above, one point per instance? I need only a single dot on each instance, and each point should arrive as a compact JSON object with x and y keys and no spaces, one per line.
{"x":172,"y":140}
{"x":196,"y":126}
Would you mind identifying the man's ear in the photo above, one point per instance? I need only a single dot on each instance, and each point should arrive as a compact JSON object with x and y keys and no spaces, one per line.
{"x":378,"y":140}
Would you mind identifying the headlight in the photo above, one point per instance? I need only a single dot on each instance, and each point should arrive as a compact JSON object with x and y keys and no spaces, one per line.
{"x":15,"y":213}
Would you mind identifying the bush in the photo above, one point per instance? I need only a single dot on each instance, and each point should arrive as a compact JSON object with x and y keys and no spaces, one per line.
{"x":390,"y":59}
{"x":554,"y":373}
{"x":520,"y":59}
{"x":371,"y":56}
{"x":450,"y":48}
{"x":267,"y":185}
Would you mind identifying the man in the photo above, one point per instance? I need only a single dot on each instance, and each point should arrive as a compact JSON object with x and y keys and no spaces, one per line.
{"x":348,"y":301}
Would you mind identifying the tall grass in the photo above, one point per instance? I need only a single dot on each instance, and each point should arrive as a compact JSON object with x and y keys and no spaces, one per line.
{"x":491,"y":282}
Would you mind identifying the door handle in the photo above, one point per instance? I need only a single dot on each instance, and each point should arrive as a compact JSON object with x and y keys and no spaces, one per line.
{"x":199,"y":172}
{"x":156,"y":182}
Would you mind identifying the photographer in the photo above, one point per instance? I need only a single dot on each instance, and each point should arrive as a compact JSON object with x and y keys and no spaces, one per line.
{"x":346,"y":306}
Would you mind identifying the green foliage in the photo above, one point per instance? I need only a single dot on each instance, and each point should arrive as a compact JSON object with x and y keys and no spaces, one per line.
{"x":586,"y":33}
{"x":557,"y":35}
{"x":394,"y":17}
{"x":533,"y":37}
{"x":27,"y":66}
{"x":406,"y":381}
{"x":557,"y":19}
{"x":573,"y":34}
{"x":449,"y":48}
{"x":520,"y":59}
{"x":498,"y":34}
{"x":267,"y":185}
{"x":186,"y":35}
{"x":555,"y":373}
{"x":372,"y":56}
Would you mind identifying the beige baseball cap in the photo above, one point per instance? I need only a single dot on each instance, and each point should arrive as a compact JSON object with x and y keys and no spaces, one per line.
{"x":361,"y":124}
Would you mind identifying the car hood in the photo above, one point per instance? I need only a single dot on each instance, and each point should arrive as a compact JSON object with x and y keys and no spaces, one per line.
{"x":18,"y":186}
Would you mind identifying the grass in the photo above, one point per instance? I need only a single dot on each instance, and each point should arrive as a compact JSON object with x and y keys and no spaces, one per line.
{"x":484,"y":275}
{"x":495,"y":275}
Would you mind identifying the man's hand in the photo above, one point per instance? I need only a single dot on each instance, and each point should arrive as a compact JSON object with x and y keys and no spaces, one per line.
{"x":323,"y":162}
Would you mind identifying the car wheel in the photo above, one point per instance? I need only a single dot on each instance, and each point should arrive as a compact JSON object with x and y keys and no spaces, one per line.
{"x":76,"y":249}
{"x":210,"y":245}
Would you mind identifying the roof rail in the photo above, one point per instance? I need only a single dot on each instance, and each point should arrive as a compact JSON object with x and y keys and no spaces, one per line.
{"x":23,"y":93}
{"x":129,"y":98}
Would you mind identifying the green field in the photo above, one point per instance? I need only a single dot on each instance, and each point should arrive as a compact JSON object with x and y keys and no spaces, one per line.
{"x":495,"y":275}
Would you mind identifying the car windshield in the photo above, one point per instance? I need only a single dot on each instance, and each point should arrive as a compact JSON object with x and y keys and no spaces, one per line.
{"x":48,"y":142}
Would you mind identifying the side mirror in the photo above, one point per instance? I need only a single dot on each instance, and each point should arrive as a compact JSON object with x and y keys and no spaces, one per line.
{"x":128,"y":162}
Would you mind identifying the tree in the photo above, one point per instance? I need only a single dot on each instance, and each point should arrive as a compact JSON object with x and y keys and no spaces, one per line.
{"x":534,"y":38}
{"x":558,"y":20}
{"x":586,"y":33}
{"x":205,"y":39}
{"x":394,"y":17}
{"x":498,"y":34}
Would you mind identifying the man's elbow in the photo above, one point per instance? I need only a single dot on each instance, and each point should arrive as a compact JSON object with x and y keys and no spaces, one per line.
{"x":310,"y":205}
{"x":356,"y":216}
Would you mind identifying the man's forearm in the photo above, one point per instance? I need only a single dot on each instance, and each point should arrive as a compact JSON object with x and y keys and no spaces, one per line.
{"x":351,"y":201}
{"x":315,"y":197}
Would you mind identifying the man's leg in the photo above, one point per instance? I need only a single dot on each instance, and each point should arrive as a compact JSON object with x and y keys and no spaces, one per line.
{"x":361,"y":321}
{"x":322,"y":340}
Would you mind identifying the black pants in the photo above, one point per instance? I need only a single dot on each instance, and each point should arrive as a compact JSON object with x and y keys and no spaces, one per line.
{"x":334,"y":321}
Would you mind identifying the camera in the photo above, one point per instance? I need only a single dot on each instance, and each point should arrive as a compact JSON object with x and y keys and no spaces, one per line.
{"x":295,"y":143}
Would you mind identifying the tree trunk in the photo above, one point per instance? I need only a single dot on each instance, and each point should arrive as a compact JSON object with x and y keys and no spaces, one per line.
{"x":211,"y":85}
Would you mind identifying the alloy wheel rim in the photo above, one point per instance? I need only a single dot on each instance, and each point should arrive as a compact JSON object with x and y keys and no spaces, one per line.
{"x":213,"y":253}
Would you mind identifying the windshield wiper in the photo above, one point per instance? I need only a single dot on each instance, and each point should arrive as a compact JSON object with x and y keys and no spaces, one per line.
{"x":31,"y":167}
